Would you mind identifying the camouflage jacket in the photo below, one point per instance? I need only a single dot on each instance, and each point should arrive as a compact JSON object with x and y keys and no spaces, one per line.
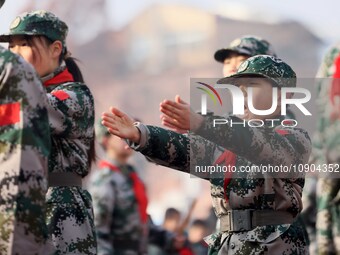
{"x":247,"y":147}
{"x":24,"y":148}
{"x":326,"y":147}
{"x":117,"y":216}
{"x":69,"y":211}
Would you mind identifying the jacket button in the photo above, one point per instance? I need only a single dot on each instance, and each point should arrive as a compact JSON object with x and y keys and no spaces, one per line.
{"x":232,"y":245}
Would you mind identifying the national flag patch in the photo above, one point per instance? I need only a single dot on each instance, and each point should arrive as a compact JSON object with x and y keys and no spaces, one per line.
{"x":9,"y":114}
{"x":282,"y":132}
{"x":61,"y":95}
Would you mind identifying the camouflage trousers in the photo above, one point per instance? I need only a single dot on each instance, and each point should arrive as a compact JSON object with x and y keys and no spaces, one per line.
{"x":291,"y":241}
{"x":70,"y":221}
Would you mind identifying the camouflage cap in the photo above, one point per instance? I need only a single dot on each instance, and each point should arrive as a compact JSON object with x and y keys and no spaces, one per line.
{"x":38,"y":23}
{"x":246,"y":45}
{"x":101,"y":131}
{"x":280,"y":73}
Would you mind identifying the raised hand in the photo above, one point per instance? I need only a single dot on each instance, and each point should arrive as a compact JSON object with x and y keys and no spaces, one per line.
{"x":178,"y":115}
{"x":120,"y":124}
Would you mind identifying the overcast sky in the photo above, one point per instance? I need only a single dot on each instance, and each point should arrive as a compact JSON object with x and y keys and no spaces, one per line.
{"x":322,"y":17}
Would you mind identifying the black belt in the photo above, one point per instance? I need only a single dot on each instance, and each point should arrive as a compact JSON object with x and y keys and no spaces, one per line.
{"x":245,"y":220}
{"x":126,"y":244}
{"x":64,"y":179}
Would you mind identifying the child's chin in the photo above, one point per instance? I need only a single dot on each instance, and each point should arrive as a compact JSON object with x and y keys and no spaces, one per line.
{"x":254,"y":117}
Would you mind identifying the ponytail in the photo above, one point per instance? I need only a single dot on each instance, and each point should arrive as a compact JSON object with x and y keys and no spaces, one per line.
{"x":74,"y":69}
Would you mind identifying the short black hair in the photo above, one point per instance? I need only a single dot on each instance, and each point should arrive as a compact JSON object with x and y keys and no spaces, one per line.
{"x":171,"y":213}
{"x":199,"y":223}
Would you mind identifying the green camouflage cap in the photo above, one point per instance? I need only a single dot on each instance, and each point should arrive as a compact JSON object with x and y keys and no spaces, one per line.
{"x":38,"y":23}
{"x":264,"y":66}
{"x":101,"y":131}
{"x":246,"y":45}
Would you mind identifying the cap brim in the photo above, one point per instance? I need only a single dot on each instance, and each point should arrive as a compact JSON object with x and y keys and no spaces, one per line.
{"x":5,"y":38}
{"x":222,"y":54}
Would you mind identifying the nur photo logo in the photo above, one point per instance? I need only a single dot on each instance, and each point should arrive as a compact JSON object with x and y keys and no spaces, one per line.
{"x":238,"y":99}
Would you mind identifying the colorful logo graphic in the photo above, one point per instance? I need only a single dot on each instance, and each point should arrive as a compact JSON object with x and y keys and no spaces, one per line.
{"x":212,"y":93}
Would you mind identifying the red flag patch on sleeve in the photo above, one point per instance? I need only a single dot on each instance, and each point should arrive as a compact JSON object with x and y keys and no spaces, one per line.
{"x":9,"y":114}
{"x":282,"y":131}
{"x":61,"y":95}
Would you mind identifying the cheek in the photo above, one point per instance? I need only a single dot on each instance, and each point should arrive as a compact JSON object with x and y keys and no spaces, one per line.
{"x":118,"y":145}
{"x":238,"y":63}
{"x":262,"y":101}
{"x":228,"y":70}
{"x":28,"y":56}
{"x":39,"y":59}
{"x":26,"y":53}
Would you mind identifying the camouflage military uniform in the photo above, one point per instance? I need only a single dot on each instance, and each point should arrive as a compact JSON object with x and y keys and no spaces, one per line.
{"x":121,"y":228}
{"x":120,"y":203}
{"x":326,"y":147}
{"x":246,"y":147}
{"x":249,"y":46}
{"x":70,"y":213}
{"x":71,"y":116}
{"x":24,"y":148}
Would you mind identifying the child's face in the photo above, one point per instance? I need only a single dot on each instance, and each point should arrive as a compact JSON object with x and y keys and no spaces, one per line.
{"x":37,"y":52}
{"x":231,"y":63}
{"x":197,"y":233}
{"x":117,"y":148}
{"x":262,"y":98}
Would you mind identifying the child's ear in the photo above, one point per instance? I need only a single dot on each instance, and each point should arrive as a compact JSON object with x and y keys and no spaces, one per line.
{"x":56,"y":49}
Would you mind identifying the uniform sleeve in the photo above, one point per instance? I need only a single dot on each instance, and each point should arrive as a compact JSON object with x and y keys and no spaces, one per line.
{"x":170,"y":149}
{"x":318,"y":156}
{"x":71,"y":108}
{"x":102,"y":190}
{"x":260,"y":145}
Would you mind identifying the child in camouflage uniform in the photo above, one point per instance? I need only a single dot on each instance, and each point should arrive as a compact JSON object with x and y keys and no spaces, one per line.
{"x":39,"y":37}
{"x":326,"y":147}
{"x":120,"y":203}
{"x":24,"y":148}
{"x":119,"y":200}
{"x":257,"y":215}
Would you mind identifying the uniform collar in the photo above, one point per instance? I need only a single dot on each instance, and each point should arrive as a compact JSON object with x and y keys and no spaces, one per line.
{"x":60,"y":75}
